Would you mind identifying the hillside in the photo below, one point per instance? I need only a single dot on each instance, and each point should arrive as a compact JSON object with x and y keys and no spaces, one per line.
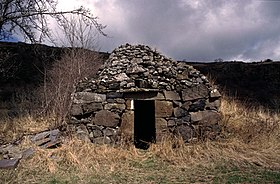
{"x":255,"y":83}
{"x":24,"y":66}
{"x":40,"y":149}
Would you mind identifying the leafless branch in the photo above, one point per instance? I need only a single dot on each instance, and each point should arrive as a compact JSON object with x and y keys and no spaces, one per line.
{"x":30,"y":18}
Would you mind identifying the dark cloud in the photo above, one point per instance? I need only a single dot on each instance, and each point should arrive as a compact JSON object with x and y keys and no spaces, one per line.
{"x":194,"y":29}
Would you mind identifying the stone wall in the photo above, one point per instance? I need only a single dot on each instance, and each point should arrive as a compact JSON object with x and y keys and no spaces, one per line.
{"x":186,"y":104}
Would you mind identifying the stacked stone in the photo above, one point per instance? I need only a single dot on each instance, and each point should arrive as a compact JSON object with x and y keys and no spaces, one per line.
{"x":185,"y":101}
{"x":140,"y":67}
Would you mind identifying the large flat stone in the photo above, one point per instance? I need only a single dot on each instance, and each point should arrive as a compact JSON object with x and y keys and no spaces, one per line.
{"x":28,"y":153}
{"x":114,"y":95}
{"x":88,"y":97}
{"x":9,"y":163}
{"x":47,"y":139}
{"x":163,"y":109}
{"x":171,"y":95}
{"x":146,"y":95}
{"x":106,"y":118}
{"x":207,"y":117}
{"x":40,"y":136}
{"x":92,"y":107}
{"x":195,"y":92}
{"x":110,"y":106}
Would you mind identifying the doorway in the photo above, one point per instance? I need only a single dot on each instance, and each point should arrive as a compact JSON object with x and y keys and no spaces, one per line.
{"x":144,"y":123}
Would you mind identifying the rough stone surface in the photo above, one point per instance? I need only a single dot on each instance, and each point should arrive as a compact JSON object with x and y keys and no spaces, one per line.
{"x":150,"y":95}
{"x":114,"y":95}
{"x":121,"y":77}
{"x":195,"y":92}
{"x":186,"y":132}
{"x":87,"y":108}
{"x":47,"y":139}
{"x":27,"y":153}
{"x":110,"y":106}
{"x":87,"y":97}
{"x":179,"y":112}
{"x":109,"y":131}
{"x":197,"y":105}
{"x":214,"y":105}
{"x":186,"y":105}
{"x":82,"y":133}
{"x":205,"y":117}
{"x":9,"y":163}
{"x":163,"y":109}
{"x":215,"y":93}
{"x":76,"y":110}
{"x":171,"y":95}
{"x":171,"y":123}
{"x":183,"y":97}
{"x":106,"y":118}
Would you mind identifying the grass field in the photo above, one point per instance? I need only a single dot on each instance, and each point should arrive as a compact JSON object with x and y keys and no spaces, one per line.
{"x":247,"y":152}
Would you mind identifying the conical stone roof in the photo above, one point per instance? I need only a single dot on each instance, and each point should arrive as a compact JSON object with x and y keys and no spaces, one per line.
{"x":183,"y":101}
{"x":140,"y":68}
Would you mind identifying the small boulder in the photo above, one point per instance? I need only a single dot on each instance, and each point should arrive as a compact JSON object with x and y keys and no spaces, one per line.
{"x":195,"y":92}
{"x":207,"y":117}
{"x":106,"y":118}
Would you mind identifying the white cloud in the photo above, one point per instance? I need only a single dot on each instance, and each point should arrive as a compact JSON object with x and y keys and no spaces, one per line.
{"x":191,"y":29}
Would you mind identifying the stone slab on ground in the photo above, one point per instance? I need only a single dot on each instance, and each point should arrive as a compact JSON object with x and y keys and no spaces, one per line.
{"x":47,"y":139}
{"x":9,"y":163}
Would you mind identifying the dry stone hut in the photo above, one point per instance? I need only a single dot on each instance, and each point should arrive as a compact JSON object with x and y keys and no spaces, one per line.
{"x":141,"y":95}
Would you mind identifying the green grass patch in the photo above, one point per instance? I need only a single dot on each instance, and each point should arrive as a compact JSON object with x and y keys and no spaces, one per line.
{"x":231,"y":175}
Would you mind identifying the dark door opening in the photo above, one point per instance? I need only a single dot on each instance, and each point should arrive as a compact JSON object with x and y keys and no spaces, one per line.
{"x":144,"y":123}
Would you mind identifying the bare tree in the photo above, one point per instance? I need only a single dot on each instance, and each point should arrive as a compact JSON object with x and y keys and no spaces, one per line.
{"x":78,"y":61}
{"x":30,"y":18}
{"x":78,"y":33}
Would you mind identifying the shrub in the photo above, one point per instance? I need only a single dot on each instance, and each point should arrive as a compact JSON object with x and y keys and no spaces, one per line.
{"x":60,"y":81}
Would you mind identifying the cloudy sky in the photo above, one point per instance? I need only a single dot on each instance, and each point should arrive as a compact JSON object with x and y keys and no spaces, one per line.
{"x":194,"y":30}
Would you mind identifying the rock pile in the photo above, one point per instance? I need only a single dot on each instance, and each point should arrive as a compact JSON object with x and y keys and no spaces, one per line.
{"x":185,"y":102}
{"x":12,"y":153}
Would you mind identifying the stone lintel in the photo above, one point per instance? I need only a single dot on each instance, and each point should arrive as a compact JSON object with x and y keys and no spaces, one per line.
{"x":148,"y":95}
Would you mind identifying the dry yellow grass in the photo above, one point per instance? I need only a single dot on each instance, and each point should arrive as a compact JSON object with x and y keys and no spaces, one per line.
{"x":253,"y":124}
{"x":13,"y":129}
{"x":251,"y":139}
